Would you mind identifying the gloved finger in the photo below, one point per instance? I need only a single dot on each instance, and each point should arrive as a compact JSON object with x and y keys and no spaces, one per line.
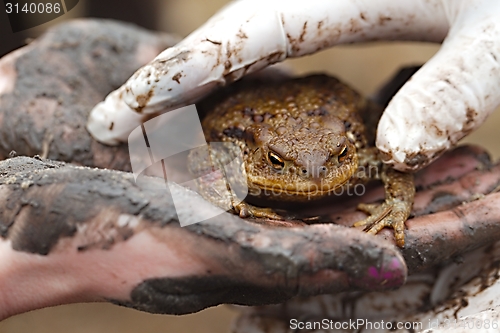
{"x":247,"y":36}
{"x":451,"y":95}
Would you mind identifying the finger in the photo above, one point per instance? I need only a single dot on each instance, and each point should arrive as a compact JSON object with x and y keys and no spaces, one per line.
{"x":447,"y":195}
{"x":236,"y":42}
{"x":48,"y":88}
{"x":255,"y":269}
{"x":448,"y":169}
{"x":467,"y":227}
{"x":96,"y":235}
{"x":247,"y":36}
{"x":465,"y":288}
{"x":453,"y":164}
{"x":437,"y":216}
{"x":451,"y":95}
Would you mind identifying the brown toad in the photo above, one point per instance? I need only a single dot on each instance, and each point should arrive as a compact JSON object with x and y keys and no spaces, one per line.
{"x":301,"y":139}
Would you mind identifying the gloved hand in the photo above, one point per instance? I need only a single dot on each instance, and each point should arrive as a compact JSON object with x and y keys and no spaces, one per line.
{"x":450,"y":96}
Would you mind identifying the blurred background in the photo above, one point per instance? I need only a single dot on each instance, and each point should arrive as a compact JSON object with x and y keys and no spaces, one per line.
{"x":365,"y":67}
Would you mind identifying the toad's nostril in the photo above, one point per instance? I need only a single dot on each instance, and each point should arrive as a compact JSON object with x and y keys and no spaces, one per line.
{"x":305,"y":173}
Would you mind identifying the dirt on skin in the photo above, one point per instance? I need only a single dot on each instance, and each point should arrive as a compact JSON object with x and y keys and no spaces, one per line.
{"x":66,"y":198}
{"x":45,"y":114}
{"x":71,"y":69}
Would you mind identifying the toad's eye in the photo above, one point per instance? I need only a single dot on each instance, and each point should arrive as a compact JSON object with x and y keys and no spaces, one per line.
{"x":276,"y":160}
{"x":343,"y":154}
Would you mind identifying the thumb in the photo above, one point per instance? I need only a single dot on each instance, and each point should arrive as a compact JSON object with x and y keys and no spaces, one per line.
{"x":451,"y":95}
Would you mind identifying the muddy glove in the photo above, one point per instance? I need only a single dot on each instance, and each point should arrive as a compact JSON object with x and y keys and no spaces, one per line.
{"x":445,"y":100}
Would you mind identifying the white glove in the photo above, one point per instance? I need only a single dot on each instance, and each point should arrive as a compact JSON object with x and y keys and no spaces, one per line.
{"x":450,"y":96}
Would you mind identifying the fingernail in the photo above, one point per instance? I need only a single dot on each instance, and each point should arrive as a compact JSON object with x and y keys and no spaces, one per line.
{"x":390,"y":273}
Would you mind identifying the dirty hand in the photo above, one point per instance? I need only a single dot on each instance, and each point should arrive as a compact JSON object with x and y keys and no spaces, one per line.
{"x":74,"y":234}
{"x":450,"y":96}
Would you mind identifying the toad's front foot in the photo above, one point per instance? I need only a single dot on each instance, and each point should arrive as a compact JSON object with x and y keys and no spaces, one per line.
{"x":392,"y":213}
{"x":246,"y":210}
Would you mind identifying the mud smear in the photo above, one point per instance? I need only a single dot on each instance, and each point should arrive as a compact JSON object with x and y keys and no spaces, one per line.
{"x":71,"y":69}
{"x":192,"y":294}
{"x":47,"y":201}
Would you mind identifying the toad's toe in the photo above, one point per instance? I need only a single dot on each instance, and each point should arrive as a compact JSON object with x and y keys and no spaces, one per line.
{"x":384,"y":215}
{"x":247,"y":210}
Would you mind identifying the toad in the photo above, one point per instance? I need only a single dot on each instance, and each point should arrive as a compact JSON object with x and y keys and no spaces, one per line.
{"x":300,"y":140}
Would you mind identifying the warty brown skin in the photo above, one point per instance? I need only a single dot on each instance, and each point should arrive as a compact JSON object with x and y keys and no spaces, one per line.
{"x":300,"y":140}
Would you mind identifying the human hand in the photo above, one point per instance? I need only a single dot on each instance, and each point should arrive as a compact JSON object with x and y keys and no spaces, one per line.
{"x":446,"y":99}
{"x":72,"y":234}
{"x":460,"y":296}
{"x":53,"y":113}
